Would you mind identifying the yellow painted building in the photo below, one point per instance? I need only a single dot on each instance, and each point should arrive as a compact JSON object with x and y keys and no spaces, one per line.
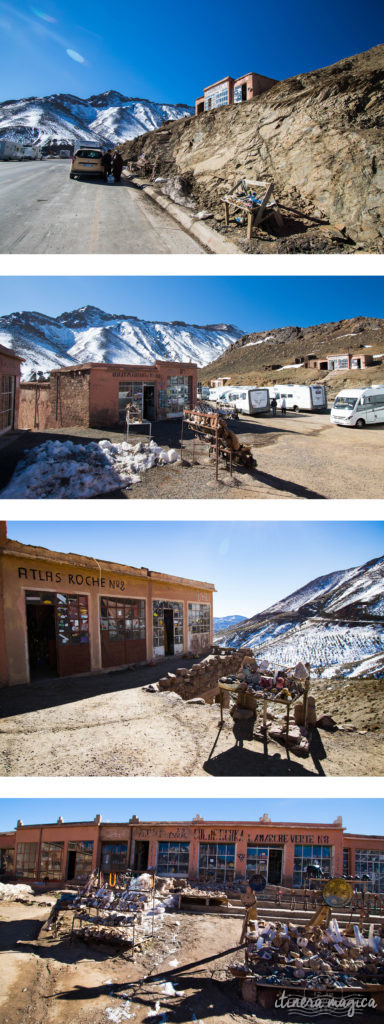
{"x":64,"y":614}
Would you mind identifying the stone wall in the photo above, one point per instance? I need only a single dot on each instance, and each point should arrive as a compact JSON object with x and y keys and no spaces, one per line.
{"x":202,"y":680}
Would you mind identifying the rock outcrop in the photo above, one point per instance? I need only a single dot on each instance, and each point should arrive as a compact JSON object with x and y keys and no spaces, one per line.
{"x":318,"y":136}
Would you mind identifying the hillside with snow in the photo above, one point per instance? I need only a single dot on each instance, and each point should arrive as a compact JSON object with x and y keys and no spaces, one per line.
{"x":219,"y":624}
{"x":105,"y":119}
{"x":90,"y":335}
{"x":335,"y":622}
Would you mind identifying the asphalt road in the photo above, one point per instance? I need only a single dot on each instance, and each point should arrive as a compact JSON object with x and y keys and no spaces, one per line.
{"x":43,"y":211}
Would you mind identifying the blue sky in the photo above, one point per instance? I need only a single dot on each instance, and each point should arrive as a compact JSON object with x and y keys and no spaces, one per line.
{"x":251,"y":564}
{"x":251,"y":303}
{"x":168,"y":51}
{"x":364,"y":816}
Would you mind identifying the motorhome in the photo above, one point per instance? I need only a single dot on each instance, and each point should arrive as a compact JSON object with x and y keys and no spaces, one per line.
{"x":300,"y":397}
{"x":29,"y":153}
{"x":9,"y":150}
{"x":358,"y":407}
{"x":249,"y":400}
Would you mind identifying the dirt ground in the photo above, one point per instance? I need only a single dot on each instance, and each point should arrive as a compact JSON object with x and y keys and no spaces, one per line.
{"x":298,"y":456}
{"x":178,"y":977}
{"x":109,"y":725}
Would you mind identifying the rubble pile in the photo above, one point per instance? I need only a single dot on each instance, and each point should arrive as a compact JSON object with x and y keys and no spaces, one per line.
{"x":321,"y":959}
{"x":202,"y":679}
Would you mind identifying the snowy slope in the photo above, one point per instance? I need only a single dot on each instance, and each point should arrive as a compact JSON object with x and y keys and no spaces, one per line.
{"x":331,"y":622}
{"x":108,"y":118}
{"x":91,"y":335}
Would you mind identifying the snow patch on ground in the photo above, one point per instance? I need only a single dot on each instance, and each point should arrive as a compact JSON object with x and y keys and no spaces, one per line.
{"x":63,"y":469}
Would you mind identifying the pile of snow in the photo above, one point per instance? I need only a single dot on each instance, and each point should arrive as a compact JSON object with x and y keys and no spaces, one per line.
{"x":63,"y":469}
{"x":9,"y":892}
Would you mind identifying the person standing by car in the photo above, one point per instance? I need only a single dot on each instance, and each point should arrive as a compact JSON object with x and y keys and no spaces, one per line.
{"x":117,"y":167}
{"x":283,"y":406}
{"x":107,"y":163}
{"x":273,"y":406}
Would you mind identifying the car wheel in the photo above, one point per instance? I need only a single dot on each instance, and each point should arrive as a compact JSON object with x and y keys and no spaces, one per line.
{"x":295,"y":408}
{"x":360,"y":424}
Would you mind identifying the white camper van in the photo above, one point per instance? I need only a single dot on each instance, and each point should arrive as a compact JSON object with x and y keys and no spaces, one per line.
{"x":249,"y":400}
{"x":300,"y":397}
{"x":358,"y":407}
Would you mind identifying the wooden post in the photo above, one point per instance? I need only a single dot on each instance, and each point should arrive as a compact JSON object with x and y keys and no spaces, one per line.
{"x":305,"y":703}
{"x":287,"y":726}
{"x":265,"y":713}
{"x":226,"y":208}
{"x":249,"y":224}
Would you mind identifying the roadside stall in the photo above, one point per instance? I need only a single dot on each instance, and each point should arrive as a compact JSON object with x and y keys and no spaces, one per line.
{"x":256,"y":687}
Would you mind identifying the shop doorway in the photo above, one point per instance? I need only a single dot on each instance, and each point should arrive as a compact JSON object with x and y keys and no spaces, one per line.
{"x":71,"y":868}
{"x":149,"y":401}
{"x":42,"y":649}
{"x":274,"y":866}
{"x":169,"y":646}
{"x":141,"y":855}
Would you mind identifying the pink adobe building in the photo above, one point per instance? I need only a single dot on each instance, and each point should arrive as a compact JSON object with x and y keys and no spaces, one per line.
{"x":209,"y":851}
{"x":9,"y":389}
{"x":233,"y":90}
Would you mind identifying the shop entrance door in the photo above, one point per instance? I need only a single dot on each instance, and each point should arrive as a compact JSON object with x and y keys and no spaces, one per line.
{"x":41,"y":628}
{"x":169,"y":645}
{"x":149,"y":402}
{"x":274,"y":866}
{"x":71,"y":869}
{"x":141,"y":855}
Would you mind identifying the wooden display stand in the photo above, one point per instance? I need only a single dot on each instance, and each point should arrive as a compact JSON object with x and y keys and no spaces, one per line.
{"x":262,"y":206}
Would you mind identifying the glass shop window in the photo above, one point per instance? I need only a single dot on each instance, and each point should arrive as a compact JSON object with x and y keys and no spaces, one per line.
{"x":83,"y":861}
{"x":7,"y":401}
{"x":217,"y":862}
{"x":371,"y":863}
{"x":114,"y":857}
{"x":122,"y":619}
{"x":72,"y":619}
{"x":158,"y":621}
{"x":173,"y":858}
{"x":26,"y":860}
{"x":305,"y":855}
{"x":177,"y":394}
{"x":51,"y":861}
{"x":199,"y":618}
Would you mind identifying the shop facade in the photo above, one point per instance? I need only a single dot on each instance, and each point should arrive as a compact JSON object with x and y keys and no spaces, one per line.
{"x":64,"y":614}
{"x":99,"y":394}
{"x":206,"y":852}
{"x":9,"y":389}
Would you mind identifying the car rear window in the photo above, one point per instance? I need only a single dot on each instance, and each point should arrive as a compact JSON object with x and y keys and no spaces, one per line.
{"x":91,"y":154}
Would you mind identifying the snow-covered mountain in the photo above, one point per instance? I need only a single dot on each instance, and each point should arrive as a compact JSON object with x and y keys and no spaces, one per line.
{"x":226,"y":622}
{"x":90,"y":335}
{"x":106,"y":119}
{"x":335,"y":622}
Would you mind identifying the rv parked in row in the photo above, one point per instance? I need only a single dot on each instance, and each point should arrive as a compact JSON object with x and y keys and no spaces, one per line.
{"x":15,"y":151}
{"x":358,"y":407}
{"x":249,"y":400}
{"x":300,"y":397}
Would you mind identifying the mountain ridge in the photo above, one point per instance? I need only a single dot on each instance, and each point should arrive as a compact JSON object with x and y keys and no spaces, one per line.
{"x":332,"y":621}
{"x":89,"y":334}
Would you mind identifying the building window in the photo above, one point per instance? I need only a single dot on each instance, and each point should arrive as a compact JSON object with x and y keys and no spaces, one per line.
{"x":131,"y":396}
{"x":208,"y":100}
{"x":217,"y":862}
{"x":159,"y":607}
{"x":79,"y":858}
{"x":305,"y":855}
{"x":237,"y":94}
{"x":26,"y":860}
{"x":122,"y":619}
{"x":72,"y":619}
{"x":51,"y":861}
{"x":222,"y":96}
{"x":199,"y":618}
{"x":257,"y":860}
{"x":371,"y":863}
{"x":6,"y":860}
{"x":342,"y":363}
{"x":114,"y":857}
{"x":177,"y":394}
{"x":173,"y":858}
{"x":7,"y":401}
{"x":346,"y":862}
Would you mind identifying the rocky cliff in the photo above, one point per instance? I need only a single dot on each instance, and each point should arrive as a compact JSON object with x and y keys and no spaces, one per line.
{"x":318,"y":136}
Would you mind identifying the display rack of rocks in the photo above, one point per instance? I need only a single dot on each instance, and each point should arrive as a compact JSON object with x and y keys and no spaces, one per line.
{"x":122,"y":914}
{"x":256,"y":685}
{"x":318,"y":959}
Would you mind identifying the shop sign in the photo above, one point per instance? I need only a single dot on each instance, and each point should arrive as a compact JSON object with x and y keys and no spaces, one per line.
{"x":72,"y":579}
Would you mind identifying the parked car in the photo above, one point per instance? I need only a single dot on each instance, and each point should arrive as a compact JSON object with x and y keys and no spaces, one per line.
{"x":86,"y":163}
